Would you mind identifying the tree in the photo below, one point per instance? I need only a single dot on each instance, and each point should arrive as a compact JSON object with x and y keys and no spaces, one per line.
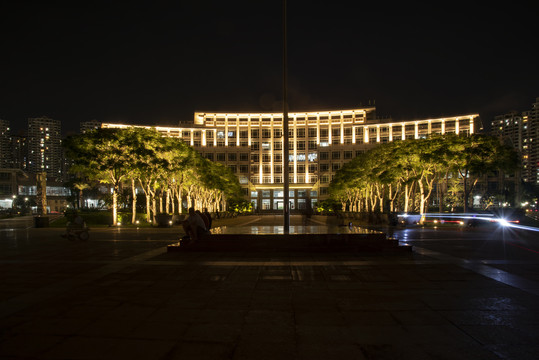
{"x":477,"y":155}
{"x":164,"y":167}
{"x":101,"y":155}
{"x":80,"y":186}
{"x":405,"y":172}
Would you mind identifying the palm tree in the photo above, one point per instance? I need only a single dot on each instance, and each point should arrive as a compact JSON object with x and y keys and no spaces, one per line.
{"x":80,"y":186}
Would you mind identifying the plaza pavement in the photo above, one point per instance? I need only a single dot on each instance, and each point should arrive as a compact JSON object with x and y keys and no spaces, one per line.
{"x":121,"y":295}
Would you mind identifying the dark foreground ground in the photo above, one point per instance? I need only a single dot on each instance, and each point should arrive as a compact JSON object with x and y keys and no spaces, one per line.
{"x":461,"y":294}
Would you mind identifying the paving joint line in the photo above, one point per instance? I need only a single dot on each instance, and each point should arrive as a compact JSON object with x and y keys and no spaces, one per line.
{"x":479,"y":267}
{"x":20,"y":302}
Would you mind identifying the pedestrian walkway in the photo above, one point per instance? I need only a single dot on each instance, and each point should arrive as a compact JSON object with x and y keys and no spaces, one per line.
{"x":121,"y":295}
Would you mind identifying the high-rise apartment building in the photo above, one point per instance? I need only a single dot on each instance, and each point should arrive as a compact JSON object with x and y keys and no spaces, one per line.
{"x":19,"y":151}
{"x":44,"y":144}
{"x":521,"y":129}
{"x":6,"y":159}
{"x":530,"y":120}
{"x":320,"y":143}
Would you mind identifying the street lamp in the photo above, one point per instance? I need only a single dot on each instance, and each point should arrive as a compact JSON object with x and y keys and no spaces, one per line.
{"x":286,"y":207}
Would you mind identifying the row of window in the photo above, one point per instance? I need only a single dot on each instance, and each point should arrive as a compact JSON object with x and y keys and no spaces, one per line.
{"x":280,"y":118}
{"x":313,"y":144}
{"x":300,"y":193}
{"x":278,"y":169}
{"x":310,"y":157}
{"x":278,"y":179}
{"x":277,"y":204}
{"x":322,"y":132}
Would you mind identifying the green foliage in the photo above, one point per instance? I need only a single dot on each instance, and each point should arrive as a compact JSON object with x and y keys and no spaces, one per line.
{"x":328,"y":206}
{"x":453,"y":198}
{"x":91,"y":218}
{"x":241,"y":206}
{"x":477,"y":155}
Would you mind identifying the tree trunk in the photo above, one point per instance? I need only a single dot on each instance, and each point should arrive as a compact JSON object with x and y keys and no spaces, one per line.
{"x":422,"y":197}
{"x":114,"y":205}
{"x":172,"y":204}
{"x":154,"y":208}
{"x":80,"y":199}
{"x":167,"y":201}
{"x":464,"y":178}
{"x":148,"y":208}
{"x":406,"y":198}
{"x":179,"y":195}
{"x":134,"y":203}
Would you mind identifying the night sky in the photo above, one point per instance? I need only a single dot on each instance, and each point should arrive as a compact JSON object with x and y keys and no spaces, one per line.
{"x":157,"y":65}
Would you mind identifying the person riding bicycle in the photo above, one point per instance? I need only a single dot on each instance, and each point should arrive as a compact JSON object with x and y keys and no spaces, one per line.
{"x":75,"y":226}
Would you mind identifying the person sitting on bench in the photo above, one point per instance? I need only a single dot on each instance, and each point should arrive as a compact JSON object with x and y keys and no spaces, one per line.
{"x":194,"y":226}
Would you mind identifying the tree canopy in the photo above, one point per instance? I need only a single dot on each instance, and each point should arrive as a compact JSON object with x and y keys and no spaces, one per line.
{"x":165,"y":168}
{"x":402,"y":174}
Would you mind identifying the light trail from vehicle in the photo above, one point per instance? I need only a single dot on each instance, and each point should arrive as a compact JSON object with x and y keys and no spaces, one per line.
{"x":457,"y":218}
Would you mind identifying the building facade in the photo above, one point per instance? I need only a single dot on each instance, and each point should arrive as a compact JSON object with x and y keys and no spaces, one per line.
{"x":320,"y":143}
{"x":521,"y":129}
{"x":19,"y":151}
{"x":85,"y":126}
{"x":18,"y":193}
{"x":6,"y":157}
{"x":44,"y":146}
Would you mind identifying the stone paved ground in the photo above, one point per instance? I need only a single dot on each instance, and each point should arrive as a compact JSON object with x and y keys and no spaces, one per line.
{"x":122,"y":296}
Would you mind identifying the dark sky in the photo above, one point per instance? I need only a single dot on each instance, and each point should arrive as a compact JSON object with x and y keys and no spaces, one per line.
{"x":145,"y":64}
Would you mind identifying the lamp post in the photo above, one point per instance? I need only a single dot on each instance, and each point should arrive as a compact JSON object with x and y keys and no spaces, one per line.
{"x":286,"y":207}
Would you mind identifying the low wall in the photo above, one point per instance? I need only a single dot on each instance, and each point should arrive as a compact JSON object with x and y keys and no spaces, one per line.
{"x":337,"y":242}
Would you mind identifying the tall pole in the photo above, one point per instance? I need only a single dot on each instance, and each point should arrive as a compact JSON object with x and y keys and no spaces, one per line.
{"x":286,"y":207}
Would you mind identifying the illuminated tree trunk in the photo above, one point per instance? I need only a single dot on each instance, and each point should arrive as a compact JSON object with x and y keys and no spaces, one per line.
{"x":406,"y":198}
{"x":392,"y":195}
{"x":171,"y":199}
{"x":190,"y":197}
{"x":380,"y":195}
{"x":115,"y":205}
{"x":218,"y":202}
{"x":153,"y":192}
{"x":422,"y":197}
{"x":134,"y":203}
{"x":146,"y":188}
{"x":372,"y":199}
{"x":148,"y":208}
{"x":179,"y":195}
{"x":167,"y":201}
{"x":154,"y":208}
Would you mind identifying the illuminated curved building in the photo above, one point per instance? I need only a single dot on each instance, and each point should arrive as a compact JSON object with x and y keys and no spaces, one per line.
{"x":320,"y":142}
